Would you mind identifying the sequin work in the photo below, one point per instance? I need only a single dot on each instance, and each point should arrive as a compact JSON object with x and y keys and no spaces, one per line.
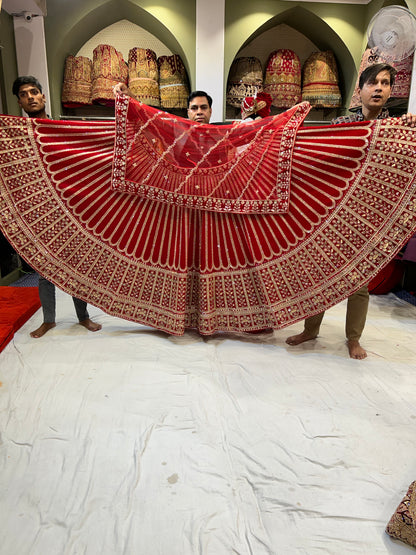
{"x":157,"y":257}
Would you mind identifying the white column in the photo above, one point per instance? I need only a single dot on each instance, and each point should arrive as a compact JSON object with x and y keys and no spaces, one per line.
{"x":31,"y":51}
{"x":210,"y":19}
{"x":412,"y":95}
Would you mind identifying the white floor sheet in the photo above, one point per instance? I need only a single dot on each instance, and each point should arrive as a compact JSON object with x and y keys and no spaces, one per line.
{"x":129,"y":441}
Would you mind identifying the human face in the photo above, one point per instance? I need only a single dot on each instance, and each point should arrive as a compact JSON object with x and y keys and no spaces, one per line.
{"x":375,"y":94}
{"x":32,"y":101}
{"x":199,"y":110}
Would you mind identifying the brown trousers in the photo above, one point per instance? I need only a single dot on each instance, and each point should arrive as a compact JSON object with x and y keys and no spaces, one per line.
{"x":357,"y":308}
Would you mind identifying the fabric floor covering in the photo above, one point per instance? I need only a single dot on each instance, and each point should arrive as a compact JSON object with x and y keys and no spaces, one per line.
{"x":131,"y":441}
{"x":16,"y":306}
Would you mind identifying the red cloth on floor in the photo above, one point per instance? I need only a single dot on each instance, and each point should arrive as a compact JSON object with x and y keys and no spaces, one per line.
{"x":6,"y":335}
{"x":17,"y":304}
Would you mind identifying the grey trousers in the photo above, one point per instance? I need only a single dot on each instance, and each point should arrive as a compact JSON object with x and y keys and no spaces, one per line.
{"x":48,"y":302}
{"x":357,"y":308}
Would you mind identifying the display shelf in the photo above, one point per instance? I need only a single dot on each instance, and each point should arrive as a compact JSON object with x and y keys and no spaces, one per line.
{"x":322,"y":116}
{"x":106,"y":113}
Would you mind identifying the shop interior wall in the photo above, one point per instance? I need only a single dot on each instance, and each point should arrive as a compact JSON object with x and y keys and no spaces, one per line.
{"x":69,"y":25}
{"x":411,"y":4}
{"x":8,"y":65}
{"x":337,"y":27}
{"x":330,"y":26}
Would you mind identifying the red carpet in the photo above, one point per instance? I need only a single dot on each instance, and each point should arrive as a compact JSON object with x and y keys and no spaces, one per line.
{"x":17,"y":304}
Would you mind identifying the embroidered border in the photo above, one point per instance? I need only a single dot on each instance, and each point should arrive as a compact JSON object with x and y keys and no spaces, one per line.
{"x":153,"y":177}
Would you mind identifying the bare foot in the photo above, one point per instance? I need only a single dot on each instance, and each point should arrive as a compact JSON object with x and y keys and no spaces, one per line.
{"x":46,"y":326}
{"x":355,"y":349}
{"x":90,"y":325}
{"x":300,"y":338}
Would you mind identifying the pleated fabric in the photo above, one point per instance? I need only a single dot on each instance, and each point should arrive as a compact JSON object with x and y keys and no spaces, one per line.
{"x":320,"y":81}
{"x":282,"y":79}
{"x":144,"y":76}
{"x":173,"y":82}
{"x":245,"y":79}
{"x":77,"y":85}
{"x":108,"y":69}
{"x":115,"y":216}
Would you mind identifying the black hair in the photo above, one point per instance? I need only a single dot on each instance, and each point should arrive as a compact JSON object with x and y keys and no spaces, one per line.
{"x":371,"y":72}
{"x":194,"y":94}
{"x":25,"y":80}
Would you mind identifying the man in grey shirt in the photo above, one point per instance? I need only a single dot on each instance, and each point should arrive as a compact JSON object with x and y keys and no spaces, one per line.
{"x":31,"y":99}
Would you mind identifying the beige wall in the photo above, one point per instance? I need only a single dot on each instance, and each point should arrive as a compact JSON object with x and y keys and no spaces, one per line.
{"x":336,"y":27}
{"x":69,"y":25}
{"x":8,"y":65}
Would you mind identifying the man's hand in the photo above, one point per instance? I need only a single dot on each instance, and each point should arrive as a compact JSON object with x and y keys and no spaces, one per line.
{"x":122,"y":88}
{"x":409,"y":119}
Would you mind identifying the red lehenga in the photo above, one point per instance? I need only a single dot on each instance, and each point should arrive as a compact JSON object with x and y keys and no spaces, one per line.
{"x":179,"y":225}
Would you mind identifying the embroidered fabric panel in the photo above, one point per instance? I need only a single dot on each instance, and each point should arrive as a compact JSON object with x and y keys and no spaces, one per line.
{"x":402,"y":525}
{"x":175,"y":160}
{"x":352,"y":206}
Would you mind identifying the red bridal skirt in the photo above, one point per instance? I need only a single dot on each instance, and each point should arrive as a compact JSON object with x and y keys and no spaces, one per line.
{"x":178,"y":225}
